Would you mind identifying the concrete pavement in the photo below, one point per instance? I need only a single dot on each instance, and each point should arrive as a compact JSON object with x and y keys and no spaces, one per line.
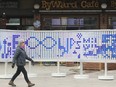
{"x":44,"y":78}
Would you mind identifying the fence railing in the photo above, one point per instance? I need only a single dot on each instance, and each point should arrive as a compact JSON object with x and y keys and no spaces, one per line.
{"x":77,"y":45}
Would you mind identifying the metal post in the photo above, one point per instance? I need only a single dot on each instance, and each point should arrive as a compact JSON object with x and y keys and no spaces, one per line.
{"x":105,"y":76}
{"x":58,"y":67}
{"x":5,"y":75}
{"x":30,"y":69}
{"x":81,"y":76}
{"x":81,"y":68}
{"x":58,"y":74}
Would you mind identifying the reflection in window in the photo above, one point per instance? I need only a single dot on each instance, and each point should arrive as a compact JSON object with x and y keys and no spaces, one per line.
{"x":71,"y":23}
{"x":75,"y":21}
{"x":56,"y":21}
{"x":112,"y":22}
{"x":27,"y":21}
{"x":13,"y":21}
{"x":64,"y":21}
{"x":29,"y":28}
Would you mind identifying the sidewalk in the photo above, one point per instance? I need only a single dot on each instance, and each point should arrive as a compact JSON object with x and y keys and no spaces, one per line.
{"x":44,"y":78}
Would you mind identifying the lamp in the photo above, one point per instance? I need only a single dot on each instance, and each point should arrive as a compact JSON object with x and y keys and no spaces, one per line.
{"x":103,"y":6}
{"x":3,"y":16}
{"x":36,"y":6}
{"x":36,"y":23}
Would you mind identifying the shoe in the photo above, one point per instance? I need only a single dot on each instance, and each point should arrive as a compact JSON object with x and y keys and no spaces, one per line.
{"x":12,"y":84}
{"x":30,"y":84}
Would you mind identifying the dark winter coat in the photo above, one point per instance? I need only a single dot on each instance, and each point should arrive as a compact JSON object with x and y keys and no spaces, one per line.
{"x":20,"y":57}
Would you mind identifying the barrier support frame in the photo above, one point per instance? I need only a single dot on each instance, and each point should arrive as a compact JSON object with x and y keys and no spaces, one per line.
{"x":81,"y":76}
{"x":30,"y":74}
{"x":105,"y":76}
{"x":5,"y":75}
{"x":58,"y":73}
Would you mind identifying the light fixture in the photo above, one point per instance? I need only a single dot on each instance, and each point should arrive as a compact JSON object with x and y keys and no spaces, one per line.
{"x":3,"y":16}
{"x":3,"y":13}
{"x":36,"y":6}
{"x":103,"y":5}
{"x":37,"y":22}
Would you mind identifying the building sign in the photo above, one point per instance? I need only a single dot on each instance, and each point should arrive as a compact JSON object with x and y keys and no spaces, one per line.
{"x":69,"y":4}
{"x":113,"y":4}
{"x":76,"y":4}
{"x":8,"y":4}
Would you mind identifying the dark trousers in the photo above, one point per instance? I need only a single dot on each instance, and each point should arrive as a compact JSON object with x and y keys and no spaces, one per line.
{"x":19,"y":70}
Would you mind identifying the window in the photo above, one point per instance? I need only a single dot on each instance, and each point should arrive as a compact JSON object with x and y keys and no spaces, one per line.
{"x":91,"y":23}
{"x":27,"y":23}
{"x":64,"y":21}
{"x":112,"y":22}
{"x":70,"y":22}
{"x":56,"y":21}
{"x":17,"y":23}
{"x":13,"y":21}
{"x":75,"y":22}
